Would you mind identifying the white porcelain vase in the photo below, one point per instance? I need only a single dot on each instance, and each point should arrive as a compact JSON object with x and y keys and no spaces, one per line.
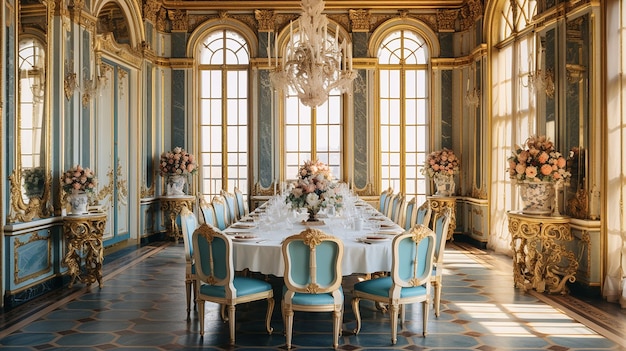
{"x":78,"y":202}
{"x":175,"y":185}
{"x":444,"y":185}
{"x":537,"y":197}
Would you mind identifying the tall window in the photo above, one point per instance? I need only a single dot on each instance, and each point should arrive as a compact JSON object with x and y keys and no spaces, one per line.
{"x":223,"y":91}
{"x":404,"y":112}
{"x":313,"y":134}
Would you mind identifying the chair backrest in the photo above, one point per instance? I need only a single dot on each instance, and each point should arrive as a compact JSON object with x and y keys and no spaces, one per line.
{"x":441,"y":223}
{"x":312,"y":262}
{"x":189,"y":223}
{"x":423,"y":214}
{"x":221,"y":212}
{"x":230,"y":205}
{"x":397,"y":206}
{"x":384,"y":200}
{"x":213,"y":257}
{"x":412,"y":259}
{"x":242,"y":206}
{"x":408,"y":219}
{"x":207,"y":214}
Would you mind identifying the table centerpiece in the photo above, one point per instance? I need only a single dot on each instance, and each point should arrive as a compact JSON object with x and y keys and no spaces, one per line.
{"x":314,"y":189}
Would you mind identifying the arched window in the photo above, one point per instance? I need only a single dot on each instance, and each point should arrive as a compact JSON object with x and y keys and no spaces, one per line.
{"x":404,"y":112}
{"x":224,"y":59}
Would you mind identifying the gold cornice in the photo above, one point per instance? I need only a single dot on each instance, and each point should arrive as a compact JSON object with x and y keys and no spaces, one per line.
{"x":107,"y":44}
{"x":181,"y":63}
{"x":291,"y":5}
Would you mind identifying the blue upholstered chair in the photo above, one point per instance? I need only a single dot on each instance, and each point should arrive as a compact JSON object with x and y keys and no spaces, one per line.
{"x":231,"y":205}
{"x":312,"y":278}
{"x":208,"y":214}
{"x":396,"y":206}
{"x":242,"y":206}
{"x":221,"y":212}
{"x":408,"y":219}
{"x":189,"y":223}
{"x":409,"y":282}
{"x":216,"y":280}
{"x":441,"y":222}
{"x":423,"y":214}
{"x":383,"y":201}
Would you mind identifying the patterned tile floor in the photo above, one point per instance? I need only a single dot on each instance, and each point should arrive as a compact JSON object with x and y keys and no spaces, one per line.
{"x":142,"y":307}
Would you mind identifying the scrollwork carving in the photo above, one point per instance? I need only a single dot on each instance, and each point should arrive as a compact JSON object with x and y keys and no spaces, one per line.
{"x":360,"y":20}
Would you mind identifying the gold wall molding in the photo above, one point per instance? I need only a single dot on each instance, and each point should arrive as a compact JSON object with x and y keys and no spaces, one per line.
{"x":16,"y":256}
{"x":150,"y":10}
{"x":37,"y":207}
{"x":105,"y":43}
{"x":360,"y":20}
{"x":265,"y":18}
{"x":179,"y":20}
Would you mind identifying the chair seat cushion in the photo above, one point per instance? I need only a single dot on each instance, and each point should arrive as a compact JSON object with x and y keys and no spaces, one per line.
{"x":244,"y":285}
{"x":312,"y":299}
{"x":381,"y":286}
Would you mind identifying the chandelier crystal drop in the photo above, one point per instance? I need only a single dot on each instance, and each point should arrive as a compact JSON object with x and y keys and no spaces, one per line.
{"x":313,"y":63}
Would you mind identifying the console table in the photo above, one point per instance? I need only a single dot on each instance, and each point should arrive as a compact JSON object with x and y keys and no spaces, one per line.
{"x":541,"y":258}
{"x":83,"y":234}
{"x":172,"y":206}
{"x":440,"y":203}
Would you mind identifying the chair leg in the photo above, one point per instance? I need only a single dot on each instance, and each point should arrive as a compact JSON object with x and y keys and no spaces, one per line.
{"x":437,"y":286}
{"x":402,"y":315}
{"x":268,"y":316}
{"x":288,"y":315}
{"x":201,"y":316}
{"x":336,"y":328}
{"x":231,"y":323}
{"x":357,"y":314}
{"x":394,"y":322}
{"x":425,"y":305}
{"x":188,"y":284}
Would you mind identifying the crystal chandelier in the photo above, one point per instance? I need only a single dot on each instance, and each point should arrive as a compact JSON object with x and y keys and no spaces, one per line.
{"x":312,"y":63}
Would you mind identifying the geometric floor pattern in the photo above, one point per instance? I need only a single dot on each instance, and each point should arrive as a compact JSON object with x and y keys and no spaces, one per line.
{"x":142,"y":307}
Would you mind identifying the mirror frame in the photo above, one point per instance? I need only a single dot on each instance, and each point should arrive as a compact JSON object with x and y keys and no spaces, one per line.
{"x":37,"y":206}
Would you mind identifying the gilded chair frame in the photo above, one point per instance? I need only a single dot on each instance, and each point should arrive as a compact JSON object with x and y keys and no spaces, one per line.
{"x":207,"y":212}
{"x":425,"y":212}
{"x":383,"y":201}
{"x":216,"y":280}
{"x":242,"y":205}
{"x":412,"y":272}
{"x":441,"y":222}
{"x":315,"y":240}
{"x":189,"y":224}
{"x":231,"y":206}
{"x":407,"y":220}
{"x":221,"y":212}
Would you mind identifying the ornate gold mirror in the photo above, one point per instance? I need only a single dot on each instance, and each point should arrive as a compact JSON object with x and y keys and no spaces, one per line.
{"x":31,"y":178}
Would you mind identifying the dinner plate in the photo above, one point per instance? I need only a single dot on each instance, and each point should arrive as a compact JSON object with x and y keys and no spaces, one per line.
{"x":241,"y":225}
{"x":387,"y":225}
{"x":372,"y":239}
{"x":244,"y":237}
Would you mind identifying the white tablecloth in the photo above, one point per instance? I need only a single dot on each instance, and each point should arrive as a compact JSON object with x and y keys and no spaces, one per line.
{"x":263,"y":253}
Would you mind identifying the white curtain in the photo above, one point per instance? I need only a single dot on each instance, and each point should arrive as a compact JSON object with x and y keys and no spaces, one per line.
{"x":513,"y":120}
{"x":614,"y":149}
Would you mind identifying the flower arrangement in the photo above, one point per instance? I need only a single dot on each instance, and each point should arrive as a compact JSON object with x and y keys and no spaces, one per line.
{"x":80,"y":179}
{"x":537,"y":161}
{"x":314,"y":188}
{"x":441,"y":163}
{"x":177,"y":162}
{"x":34,"y":179}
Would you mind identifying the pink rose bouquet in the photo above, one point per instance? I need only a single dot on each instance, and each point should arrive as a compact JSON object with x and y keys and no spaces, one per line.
{"x":441,"y":163}
{"x":79,"y":179}
{"x":314,"y":187}
{"x":177,"y":162}
{"x":537,"y":161}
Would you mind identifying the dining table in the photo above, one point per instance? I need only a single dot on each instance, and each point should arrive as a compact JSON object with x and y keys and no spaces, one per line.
{"x":365,"y":232}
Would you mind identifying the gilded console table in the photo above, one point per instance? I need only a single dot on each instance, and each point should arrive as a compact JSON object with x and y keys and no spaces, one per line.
{"x":83,"y":235}
{"x":541,"y":260}
{"x":172,"y":206}
{"x":440,"y":203}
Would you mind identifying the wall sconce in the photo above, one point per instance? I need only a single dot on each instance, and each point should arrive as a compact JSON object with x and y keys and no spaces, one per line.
{"x":472,"y":97}
{"x":539,"y":80}
{"x":92,"y":86}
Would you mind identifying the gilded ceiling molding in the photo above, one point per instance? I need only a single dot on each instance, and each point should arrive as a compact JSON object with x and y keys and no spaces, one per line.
{"x":150,"y":10}
{"x":178,"y":19}
{"x":161,"y":22}
{"x":446,"y":20}
{"x":470,"y":13}
{"x":360,"y":20}
{"x":106,"y":42}
{"x":249,"y":20}
{"x":282,"y":20}
{"x":265,"y":20}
